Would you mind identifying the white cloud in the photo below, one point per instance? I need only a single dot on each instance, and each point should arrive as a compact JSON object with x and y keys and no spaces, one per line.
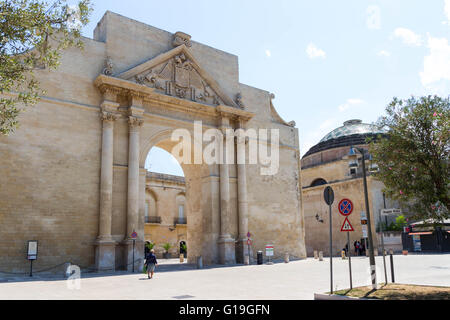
{"x":314,"y":52}
{"x":373,"y":17}
{"x":268,"y":53}
{"x":447,"y":10}
{"x":436,"y":66}
{"x":384,"y":53}
{"x":350,"y":104}
{"x":408,"y":37}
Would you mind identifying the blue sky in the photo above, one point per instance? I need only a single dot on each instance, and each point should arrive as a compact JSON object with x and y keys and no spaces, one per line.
{"x":326,"y":61}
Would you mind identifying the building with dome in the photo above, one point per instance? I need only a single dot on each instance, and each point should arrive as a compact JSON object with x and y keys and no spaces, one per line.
{"x":327,"y":164}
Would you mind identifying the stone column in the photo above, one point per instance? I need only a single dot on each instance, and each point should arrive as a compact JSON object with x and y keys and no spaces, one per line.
{"x":227,"y":254}
{"x":242,"y":249}
{"x":135,"y":124}
{"x":105,"y":245}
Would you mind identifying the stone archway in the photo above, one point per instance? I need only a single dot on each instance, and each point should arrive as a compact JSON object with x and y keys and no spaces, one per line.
{"x":202,"y":185}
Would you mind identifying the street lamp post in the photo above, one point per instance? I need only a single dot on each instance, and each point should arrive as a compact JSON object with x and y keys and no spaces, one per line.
{"x":369,"y":225}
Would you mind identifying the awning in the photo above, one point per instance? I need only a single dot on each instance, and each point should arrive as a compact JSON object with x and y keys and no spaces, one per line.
{"x":419,"y":233}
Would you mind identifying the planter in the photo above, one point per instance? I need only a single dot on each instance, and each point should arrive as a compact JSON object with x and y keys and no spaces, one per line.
{"x":166,"y":255}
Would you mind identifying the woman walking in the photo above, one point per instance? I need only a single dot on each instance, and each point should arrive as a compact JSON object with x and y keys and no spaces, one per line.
{"x":151,"y":262}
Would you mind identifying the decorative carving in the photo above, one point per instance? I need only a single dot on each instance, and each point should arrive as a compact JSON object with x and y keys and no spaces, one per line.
{"x":178,"y":77}
{"x":292,"y":124}
{"x":239,"y":101}
{"x":108,"y":116}
{"x":181,"y":38}
{"x":109,"y":66}
{"x":135,"y":122}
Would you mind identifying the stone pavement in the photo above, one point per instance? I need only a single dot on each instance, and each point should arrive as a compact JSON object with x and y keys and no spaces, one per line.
{"x":295,"y":280}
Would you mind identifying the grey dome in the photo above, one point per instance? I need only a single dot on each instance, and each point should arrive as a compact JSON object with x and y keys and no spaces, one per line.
{"x":352,"y":127}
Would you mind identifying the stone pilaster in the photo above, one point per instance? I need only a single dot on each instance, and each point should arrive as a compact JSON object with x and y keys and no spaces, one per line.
{"x":227,"y":254}
{"x":135,"y":123}
{"x":105,"y":245}
{"x":242,"y":247}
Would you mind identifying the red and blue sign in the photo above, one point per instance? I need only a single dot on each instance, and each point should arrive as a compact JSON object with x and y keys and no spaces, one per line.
{"x":134,"y":235}
{"x":345,"y":207}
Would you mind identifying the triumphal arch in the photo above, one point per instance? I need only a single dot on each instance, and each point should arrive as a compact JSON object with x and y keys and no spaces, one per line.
{"x":74,"y":170}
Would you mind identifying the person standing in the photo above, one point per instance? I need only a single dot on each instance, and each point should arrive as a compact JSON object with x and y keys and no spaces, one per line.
{"x":151,"y":262}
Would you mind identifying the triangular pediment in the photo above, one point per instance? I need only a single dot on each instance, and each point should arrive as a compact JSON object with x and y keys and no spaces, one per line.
{"x":177,"y":73}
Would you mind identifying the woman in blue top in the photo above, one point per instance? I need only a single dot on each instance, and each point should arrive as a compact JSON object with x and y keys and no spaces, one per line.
{"x":150,"y":262}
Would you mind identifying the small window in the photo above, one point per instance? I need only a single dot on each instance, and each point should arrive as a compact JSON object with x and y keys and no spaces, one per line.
{"x":318,"y":182}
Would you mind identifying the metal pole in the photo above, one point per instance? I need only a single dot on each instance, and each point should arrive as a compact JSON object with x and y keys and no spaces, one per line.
{"x":134,"y":241}
{"x":331,"y":252}
{"x":31,"y":268}
{"x":369,"y":225}
{"x":392,"y":267}
{"x":349,"y":260}
{"x":382,"y":247}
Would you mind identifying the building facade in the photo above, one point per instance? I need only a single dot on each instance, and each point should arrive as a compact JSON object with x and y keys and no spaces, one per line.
{"x":73,"y":176}
{"x":327,"y":164}
{"x":166,"y":213}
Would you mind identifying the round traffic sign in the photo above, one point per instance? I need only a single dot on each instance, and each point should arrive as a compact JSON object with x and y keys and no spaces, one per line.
{"x":134,"y":235}
{"x":345,"y":207}
{"x":328,"y":196}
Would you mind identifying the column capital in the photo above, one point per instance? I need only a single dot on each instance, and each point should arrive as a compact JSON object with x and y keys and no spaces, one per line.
{"x":108,"y":116}
{"x":135,"y":122}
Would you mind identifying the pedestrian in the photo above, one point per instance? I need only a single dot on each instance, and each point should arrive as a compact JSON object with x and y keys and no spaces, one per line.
{"x":151,"y":262}
{"x":358,"y":248}
{"x":363,"y":249}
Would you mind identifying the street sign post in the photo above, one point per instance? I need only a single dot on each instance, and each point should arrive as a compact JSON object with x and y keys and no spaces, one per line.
{"x":346,"y":208}
{"x":328,"y":195}
{"x":32,"y":253}
{"x":269,"y":252}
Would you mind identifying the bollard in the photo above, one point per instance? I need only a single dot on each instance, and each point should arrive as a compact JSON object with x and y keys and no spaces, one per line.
{"x":247,"y":260}
{"x":391,"y":253}
{"x":375,"y":252}
{"x":259,"y":257}
{"x":320,"y":256}
{"x":199,"y":262}
{"x":286,"y":258}
{"x":316,"y":256}
{"x":343,"y":256}
{"x":181,"y":258}
{"x":405,"y":252}
{"x":67,"y":272}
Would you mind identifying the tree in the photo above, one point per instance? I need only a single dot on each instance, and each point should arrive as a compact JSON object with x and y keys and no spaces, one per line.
{"x":413,"y":158}
{"x":32,"y":36}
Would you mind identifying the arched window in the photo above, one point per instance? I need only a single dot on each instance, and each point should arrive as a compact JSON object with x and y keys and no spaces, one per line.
{"x":181,"y":203}
{"x":318,"y":182}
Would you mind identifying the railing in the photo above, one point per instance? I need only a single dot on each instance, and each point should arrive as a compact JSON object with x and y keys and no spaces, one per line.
{"x":152,"y":219}
{"x":180,"y":221}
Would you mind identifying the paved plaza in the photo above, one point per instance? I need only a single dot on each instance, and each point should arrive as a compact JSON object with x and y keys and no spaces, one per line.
{"x":296,"y":280}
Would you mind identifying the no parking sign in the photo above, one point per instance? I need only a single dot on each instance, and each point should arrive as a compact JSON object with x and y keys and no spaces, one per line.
{"x":345,"y":207}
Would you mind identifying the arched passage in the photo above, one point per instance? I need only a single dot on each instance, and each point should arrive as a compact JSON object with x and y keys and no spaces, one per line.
{"x":199,"y":203}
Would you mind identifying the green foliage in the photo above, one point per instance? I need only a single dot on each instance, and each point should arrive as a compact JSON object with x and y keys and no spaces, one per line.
{"x":167,"y":246}
{"x":183,"y":247}
{"x":150,"y":245}
{"x":32,"y":36}
{"x":398,"y":225}
{"x":414,"y":157}
{"x":401,"y":222}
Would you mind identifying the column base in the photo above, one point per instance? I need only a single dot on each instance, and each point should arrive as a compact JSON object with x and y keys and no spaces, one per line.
{"x":105,"y":255}
{"x":227,"y":250}
{"x":138,"y":255}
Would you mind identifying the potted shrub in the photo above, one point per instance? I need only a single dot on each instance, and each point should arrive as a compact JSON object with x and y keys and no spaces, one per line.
{"x":166,"y":246}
